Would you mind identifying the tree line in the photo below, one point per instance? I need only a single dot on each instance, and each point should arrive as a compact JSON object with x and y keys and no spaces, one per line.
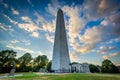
{"x":106,"y":67}
{"x":27,"y":63}
{"x":24,"y":63}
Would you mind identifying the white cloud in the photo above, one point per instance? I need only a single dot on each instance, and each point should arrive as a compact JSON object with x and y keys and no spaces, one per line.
{"x":40,"y":19}
{"x":26,"y":19}
{"x":26,"y":42}
{"x":35,"y":34}
{"x":104,"y":23}
{"x":14,"y":11}
{"x":4,"y":4}
{"x":53,"y":7}
{"x":92,"y":35}
{"x":99,"y":9}
{"x":20,"y":48}
{"x":75,"y":22}
{"x":74,"y":57}
{"x":50,"y":38}
{"x":40,"y":53}
{"x":29,"y":26}
{"x":108,"y":6}
{"x":4,"y":27}
{"x":106,"y":48}
{"x":12,"y":21}
{"x":113,"y":40}
{"x":49,"y":27}
{"x":112,"y":55}
{"x":14,"y":41}
{"x":52,"y":10}
{"x":29,"y":1}
{"x":86,"y":48}
{"x":108,"y":30}
{"x":88,"y":40}
{"x":103,"y":52}
{"x":105,"y":57}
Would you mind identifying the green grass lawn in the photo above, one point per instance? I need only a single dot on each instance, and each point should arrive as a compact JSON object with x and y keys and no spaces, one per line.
{"x":75,"y":76}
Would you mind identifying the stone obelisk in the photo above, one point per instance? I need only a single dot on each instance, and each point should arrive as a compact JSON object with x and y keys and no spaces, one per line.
{"x":60,"y":60}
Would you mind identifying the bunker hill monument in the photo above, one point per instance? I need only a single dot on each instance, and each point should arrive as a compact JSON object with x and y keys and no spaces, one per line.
{"x":61,"y":60}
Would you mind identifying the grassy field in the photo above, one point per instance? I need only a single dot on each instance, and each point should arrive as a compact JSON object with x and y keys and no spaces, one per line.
{"x":75,"y":76}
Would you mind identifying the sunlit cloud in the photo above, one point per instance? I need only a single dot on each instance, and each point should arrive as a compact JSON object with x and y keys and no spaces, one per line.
{"x":4,"y":4}
{"x":19,"y":48}
{"x":49,"y":27}
{"x":106,"y":48}
{"x":4,"y":27}
{"x":105,"y":57}
{"x":40,"y":19}
{"x":50,"y":38}
{"x":29,"y":26}
{"x":53,"y":7}
{"x":12,"y":21}
{"x":112,"y":55}
{"x":35,"y":34}
{"x":14,"y":41}
{"x":26,"y":42}
{"x":40,"y":53}
{"x":74,"y":57}
{"x":14,"y":11}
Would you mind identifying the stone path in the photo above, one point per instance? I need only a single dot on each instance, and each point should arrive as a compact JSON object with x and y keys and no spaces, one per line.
{"x":108,"y":75}
{"x":11,"y":76}
{"x":52,"y":73}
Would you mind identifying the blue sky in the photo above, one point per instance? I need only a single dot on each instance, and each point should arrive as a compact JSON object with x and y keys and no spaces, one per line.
{"x":92,"y":26}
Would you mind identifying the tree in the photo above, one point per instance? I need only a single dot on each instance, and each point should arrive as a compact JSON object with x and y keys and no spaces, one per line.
{"x":44,"y":61}
{"x":108,"y":67}
{"x":93,"y":68}
{"x":24,"y":61}
{"x":49,"y":66}
{"x":7,"y":57}
{"x":74,"y":63}
{"x":40,"y":62}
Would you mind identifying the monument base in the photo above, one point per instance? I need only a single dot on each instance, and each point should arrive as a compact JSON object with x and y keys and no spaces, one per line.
{"x":62,"y":71}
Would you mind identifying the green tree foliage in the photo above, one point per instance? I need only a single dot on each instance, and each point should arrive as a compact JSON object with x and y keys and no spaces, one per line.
{"x":7,"y":57}
{"x":40,"y":62}
{"x":74,"y":63}
{"x":49,"y":66}
{"x":108,"y":67}
{"x":93,"y":68}
{"x":24,"y":62}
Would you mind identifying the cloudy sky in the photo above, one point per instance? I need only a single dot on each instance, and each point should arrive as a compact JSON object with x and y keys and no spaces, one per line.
{"x":92,"y":26}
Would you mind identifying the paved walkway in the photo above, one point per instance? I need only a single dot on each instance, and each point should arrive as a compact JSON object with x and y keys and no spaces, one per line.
{"x":51,"y":73}
{"x":10,"y":76}
{"x":108,"y":75}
